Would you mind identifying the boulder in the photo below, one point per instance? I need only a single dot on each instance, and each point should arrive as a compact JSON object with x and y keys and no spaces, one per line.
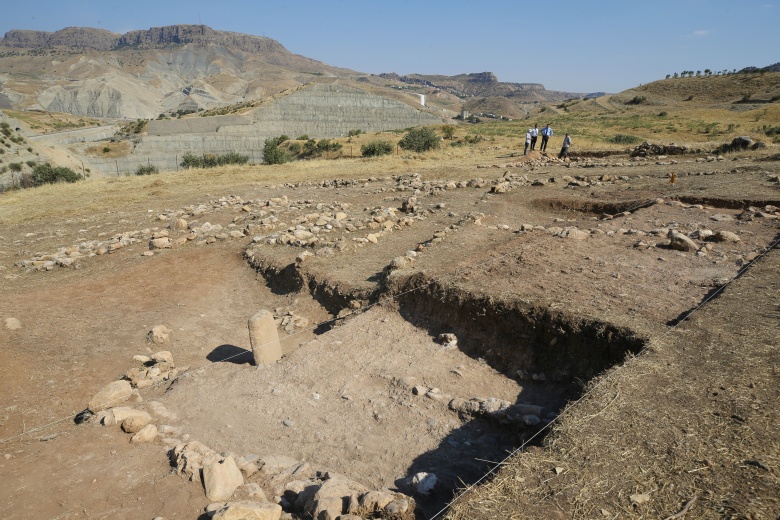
{"x":681,"y":242}
{"x":179,"y":224}
{"x":275,"y":464}
{"x":160,"y":243}
{"x":221,"y":479}
{"x":114,"y":393}
{"x":136,"y":422}
{"x":725,"y":236}
{"x":146,"y":434}
{"x":163,"y":356}
{"x":159,"y":334}
{"x":332,"y":498}
{"x":117,"y":415}
{"x":424,"y":483}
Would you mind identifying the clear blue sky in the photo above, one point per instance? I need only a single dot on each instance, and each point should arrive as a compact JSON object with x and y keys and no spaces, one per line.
{"x":569,"y":45}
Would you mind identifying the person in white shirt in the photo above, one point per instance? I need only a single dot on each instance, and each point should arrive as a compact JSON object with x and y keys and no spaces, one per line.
{"x":546,"y":133}
{"x":534,"y":135}
{"x":527,"y":141}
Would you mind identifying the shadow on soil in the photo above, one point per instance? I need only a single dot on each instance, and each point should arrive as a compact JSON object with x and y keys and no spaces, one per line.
{"x":230,"y":354}
{"x":553,"y":354}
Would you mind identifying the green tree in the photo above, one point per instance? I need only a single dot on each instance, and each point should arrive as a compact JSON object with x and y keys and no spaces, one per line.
{"x":273,"y":154}
{"x":448,"y":131}
{"x":420,"y":140}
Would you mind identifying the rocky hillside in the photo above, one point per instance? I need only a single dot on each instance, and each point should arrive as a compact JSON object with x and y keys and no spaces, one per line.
{"x":481,"y":92}
{"x":486,"y":84}
{"x":142,"y":74}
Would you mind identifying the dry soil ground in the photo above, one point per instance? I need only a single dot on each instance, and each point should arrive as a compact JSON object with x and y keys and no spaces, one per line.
{"x":545,"y":287}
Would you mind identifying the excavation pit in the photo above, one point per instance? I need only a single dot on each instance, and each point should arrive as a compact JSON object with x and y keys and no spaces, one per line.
{"x":383,"y":397}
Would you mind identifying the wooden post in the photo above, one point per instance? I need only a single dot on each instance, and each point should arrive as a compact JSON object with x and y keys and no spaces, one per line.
{"x":117,"y":168}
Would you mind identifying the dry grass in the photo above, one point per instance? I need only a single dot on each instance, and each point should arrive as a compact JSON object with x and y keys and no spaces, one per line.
{"x":116,"y":149}
{"x":44,"y":122}
{"x":685,"y":428}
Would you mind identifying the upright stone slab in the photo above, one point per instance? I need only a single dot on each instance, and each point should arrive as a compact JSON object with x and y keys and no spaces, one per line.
{"x":264,"y":338}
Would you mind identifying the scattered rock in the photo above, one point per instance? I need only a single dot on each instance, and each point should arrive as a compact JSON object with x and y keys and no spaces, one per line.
{"x":159,"y":334}
{"x":681,"y":242}
{"x":136,"y":422}
{"x":114,"y":393}
{"x":424,"y":483}
{"x":725,"y":236}
{"x":221,"y":479}
{"x":146,"y":434}
{"x":13,"y":324}
{"x":246,"y":510}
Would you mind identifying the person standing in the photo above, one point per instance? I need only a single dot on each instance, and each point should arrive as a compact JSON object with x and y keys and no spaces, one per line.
{"x":527,"y":141}
{"x":534,"y":135}
{"x":565,"y":148}
{"x":546,"y":133}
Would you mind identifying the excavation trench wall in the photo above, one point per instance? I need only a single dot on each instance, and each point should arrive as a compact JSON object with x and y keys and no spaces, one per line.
{"x":512,"y":335}
{"x":284,"y":278}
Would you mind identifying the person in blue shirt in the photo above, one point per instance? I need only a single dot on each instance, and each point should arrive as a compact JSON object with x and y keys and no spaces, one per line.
{"x":546,"y":133}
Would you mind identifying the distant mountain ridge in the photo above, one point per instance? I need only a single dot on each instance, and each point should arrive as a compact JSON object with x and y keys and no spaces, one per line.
{"x":484,"y":93}
{"x":178,"y":69}
{"x":154,"y":38}
{"x":143,"y":74}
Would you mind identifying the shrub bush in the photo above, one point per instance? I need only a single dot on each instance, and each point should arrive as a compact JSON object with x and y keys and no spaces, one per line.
{"x":148,"y":169}
{"x":376,"y":148}
{"x":636,"y":100}
{"x":106,"y":149}
{"x":273,"y":154}
{"x":15,"y":166}
{"x":353,"y":133}
{"x":211,"y":160}
{"x":448,"y":131}
{"x":624,"y":139}
{"x":326,"y":145}
{"x":420,"y":140}
{"x":48,"y":174}
{"x":191,"y":161}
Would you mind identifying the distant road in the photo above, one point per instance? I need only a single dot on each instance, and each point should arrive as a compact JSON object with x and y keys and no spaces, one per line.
{"x":74,"y":131}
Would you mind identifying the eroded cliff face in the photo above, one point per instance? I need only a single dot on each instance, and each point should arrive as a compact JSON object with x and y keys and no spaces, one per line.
{"x":142,"y":74}
{"x":156,"y":37}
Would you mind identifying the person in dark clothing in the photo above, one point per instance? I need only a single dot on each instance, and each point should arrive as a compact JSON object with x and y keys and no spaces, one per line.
{"x":565,"y":148}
